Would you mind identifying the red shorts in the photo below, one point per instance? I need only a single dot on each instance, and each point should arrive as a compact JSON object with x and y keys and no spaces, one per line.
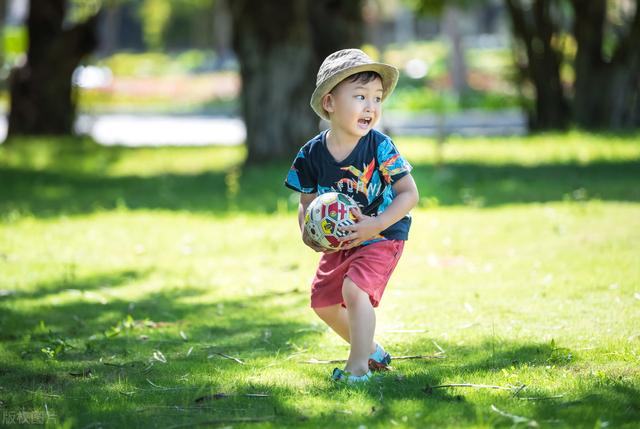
{"x":369,"y":267}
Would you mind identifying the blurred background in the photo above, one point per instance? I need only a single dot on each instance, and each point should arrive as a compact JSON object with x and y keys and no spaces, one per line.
{"x":148,"y":246}
{"x":199,"y":72}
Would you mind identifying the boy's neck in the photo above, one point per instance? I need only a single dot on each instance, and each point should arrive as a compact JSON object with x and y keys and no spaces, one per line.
{"x":338,"y":138}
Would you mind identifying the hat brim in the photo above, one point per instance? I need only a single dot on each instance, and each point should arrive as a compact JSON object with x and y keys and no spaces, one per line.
{"x":388,"y":73}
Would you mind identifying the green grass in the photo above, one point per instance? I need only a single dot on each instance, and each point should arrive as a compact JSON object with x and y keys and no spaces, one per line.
{"x":523,"y":265}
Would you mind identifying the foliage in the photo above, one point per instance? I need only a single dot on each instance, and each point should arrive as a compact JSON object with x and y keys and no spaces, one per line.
{"x":81,"y":10}
{"x":155,"y":14}
{"x":436,"y":7}
{"x":159,"y":18}
{"x":418,"y":100}
{"x":14,"y":39}
{"x":490,"y":68}
{"x":126,"y":64}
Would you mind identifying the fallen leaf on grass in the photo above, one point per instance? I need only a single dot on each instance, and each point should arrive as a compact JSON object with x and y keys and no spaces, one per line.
{"x":157,"y":355}
{"x":226,"y":357}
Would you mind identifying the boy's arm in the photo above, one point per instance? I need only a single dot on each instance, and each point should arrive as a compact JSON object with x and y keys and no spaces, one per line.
{"x":367,"y":227}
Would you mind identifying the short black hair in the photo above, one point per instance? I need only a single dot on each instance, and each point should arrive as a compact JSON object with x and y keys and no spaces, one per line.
{"x":364,"y":77}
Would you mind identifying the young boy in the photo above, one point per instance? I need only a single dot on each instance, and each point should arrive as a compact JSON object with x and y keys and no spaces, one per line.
{"x":354,"y":159}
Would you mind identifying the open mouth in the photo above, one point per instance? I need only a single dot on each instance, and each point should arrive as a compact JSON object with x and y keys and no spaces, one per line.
{"x":364,"y":121}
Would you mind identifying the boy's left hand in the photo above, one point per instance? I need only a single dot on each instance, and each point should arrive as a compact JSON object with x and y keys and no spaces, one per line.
{"x":365,"y":228}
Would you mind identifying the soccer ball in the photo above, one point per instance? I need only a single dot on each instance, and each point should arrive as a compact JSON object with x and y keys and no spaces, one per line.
{"x":325,"y":214}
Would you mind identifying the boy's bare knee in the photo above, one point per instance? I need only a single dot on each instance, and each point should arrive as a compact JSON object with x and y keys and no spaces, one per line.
{"x":351,"y":293}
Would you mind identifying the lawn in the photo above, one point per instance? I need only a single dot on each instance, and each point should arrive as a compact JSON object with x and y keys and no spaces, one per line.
{"x":168,"y":288}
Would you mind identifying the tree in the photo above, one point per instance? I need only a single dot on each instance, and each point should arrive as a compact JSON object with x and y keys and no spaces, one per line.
{"x":606,"y":90}
{"x":457,"y":63}
{"x":616,"y":73}
{"x":41,"y":92}
{"x":535,"y":31}
{"x":280,"y":44}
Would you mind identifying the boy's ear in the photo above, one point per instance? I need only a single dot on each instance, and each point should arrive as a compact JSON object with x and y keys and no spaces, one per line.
{"x":327,"y":102}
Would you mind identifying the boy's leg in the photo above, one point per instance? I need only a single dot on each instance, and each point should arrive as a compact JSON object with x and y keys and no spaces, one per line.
{"x":362,"y":326}
{"x":337,"y":318}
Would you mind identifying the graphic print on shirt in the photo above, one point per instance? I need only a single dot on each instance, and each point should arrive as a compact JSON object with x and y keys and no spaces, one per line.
{"x":367,"y":176}
{"x":363,"y":182}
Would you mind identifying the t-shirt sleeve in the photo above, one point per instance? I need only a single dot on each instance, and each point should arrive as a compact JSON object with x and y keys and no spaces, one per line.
{"x":300,"y":177}
{"x":392,"y":165}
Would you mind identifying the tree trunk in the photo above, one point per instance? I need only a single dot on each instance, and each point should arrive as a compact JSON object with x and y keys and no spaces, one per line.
{"x":271,"y":40}
{"x":336,"y":24}
{"x":535,"y":32}
{"x":451,"y":28}
{"x":41,"y":93}
{"x":607,"y":93}
{"x":222,"y":32}
{"x":110,"y":32}
{"x":280,"y":45}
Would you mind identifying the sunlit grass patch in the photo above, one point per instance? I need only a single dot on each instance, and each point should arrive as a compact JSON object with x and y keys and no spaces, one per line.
{"x":169,"y":287}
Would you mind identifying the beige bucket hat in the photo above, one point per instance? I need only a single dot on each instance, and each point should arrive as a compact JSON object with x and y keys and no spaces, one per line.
{"x":342,"y":64}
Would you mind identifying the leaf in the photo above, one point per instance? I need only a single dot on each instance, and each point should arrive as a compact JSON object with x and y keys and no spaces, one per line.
{"x":157,"y":355}
{"x":226,"y":357}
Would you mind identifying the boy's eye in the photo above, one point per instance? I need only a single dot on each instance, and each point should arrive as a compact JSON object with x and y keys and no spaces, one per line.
{"x":360,"y":97}
{"x":378,"y":99}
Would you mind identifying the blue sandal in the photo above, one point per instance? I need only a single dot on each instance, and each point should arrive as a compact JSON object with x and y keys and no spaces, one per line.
{"x":340,"y":375}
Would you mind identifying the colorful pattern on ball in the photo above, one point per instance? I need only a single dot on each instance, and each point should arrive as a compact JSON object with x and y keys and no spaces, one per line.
{"x":325,"y":215}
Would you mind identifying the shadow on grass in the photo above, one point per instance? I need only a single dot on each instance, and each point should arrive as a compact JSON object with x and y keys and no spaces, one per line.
{"x":260,"y":189}
{"x":125,"y":390}
{"x":69,"y":281}
{"x":87,"y":336}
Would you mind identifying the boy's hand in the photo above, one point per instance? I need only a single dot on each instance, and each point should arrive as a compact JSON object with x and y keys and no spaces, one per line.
{"x":365,"y":228}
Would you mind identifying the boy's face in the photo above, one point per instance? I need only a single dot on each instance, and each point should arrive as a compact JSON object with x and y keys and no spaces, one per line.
{"x":355,"y":107}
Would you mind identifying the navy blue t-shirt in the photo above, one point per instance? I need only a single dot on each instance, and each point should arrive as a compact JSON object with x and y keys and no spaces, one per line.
{"x":366,"y":175}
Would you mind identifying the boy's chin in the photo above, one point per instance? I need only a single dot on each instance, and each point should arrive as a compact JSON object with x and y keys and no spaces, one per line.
{"x":357,"y":130}
{"x":360,"y":132}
